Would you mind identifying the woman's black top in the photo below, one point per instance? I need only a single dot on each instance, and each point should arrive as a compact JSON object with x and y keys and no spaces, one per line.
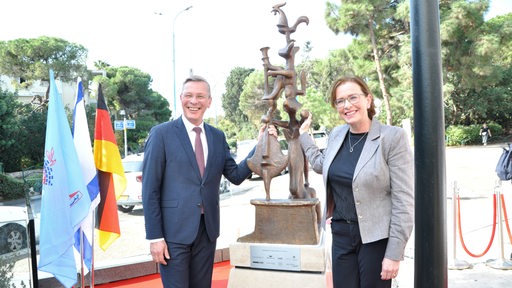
{"x":340,"y":175}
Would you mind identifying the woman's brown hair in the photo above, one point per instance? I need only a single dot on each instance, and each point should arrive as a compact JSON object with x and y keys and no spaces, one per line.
{"x":360,"y":82}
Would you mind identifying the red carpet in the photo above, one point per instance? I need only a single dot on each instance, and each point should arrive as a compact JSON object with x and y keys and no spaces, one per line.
{"x":220,"y":279}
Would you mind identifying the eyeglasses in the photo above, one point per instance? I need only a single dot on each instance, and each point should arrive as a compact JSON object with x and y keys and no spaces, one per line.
{"x":198,"y":97}
{"x":352,"y":99}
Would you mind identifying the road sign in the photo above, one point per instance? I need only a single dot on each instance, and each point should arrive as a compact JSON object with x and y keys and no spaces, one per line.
{"x":130,"y":124}
{"x":118,"y":125}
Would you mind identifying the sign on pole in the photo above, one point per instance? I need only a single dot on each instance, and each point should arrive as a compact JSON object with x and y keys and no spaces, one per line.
{"x":130,"y":124}
{"x":118,"y":125}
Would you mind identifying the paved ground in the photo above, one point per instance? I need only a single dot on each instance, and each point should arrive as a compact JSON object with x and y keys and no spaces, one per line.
{"x":469,"y":170}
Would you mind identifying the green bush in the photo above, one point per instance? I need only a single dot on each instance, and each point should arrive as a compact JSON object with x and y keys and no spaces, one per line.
{"x":497,"y":132}
{"x":232,"y":144}
{"x":11,"y":188}
{"x":33,"y":180}
{"x":470,"y":135}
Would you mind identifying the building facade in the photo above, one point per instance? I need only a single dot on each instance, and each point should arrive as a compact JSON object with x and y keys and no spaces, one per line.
{"x":35,"y":93}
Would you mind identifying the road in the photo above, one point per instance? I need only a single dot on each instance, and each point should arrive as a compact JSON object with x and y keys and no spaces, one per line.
{"x":469,"y":171}
{"x":471,"y":168}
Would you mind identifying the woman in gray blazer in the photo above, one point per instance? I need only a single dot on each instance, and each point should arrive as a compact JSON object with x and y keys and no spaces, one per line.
{"x":367,"y":169}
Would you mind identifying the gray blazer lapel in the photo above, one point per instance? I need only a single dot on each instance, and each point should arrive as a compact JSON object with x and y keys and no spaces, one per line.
{"x":370,"y":146}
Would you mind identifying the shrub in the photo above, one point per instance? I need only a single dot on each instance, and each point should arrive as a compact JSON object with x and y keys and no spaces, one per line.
{"x":33,"y":180}
{"x":466,"y":135}
{"x":11,"y":188}
{"x":461,"y":135}
{"x":496,"y":131}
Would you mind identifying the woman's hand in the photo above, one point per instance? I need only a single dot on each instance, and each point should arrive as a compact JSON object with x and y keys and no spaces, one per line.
{"x":304,"y":128}
{"x":389,"y":269}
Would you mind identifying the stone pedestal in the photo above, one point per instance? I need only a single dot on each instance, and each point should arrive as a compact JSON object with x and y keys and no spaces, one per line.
{"x":286,"y":249}
{"x":290,"y":221}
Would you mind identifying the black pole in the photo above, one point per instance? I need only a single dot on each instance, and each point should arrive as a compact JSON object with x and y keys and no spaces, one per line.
{"x":31,"y":234}
{"x":32,"y":240}
{"x":33,"y":252}
{"x":430,"y":260}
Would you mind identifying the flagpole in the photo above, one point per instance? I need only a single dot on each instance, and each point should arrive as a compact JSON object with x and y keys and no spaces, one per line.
{"x":82,"y":276}
{"x":91,"y":272}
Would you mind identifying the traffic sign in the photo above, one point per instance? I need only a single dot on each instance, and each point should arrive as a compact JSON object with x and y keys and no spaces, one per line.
{"x":118,"y":125}
{"x":130,"y":124}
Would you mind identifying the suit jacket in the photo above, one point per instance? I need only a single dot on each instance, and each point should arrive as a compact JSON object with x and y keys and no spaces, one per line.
{"x":172,"y":188}
{"x":383,"y":183}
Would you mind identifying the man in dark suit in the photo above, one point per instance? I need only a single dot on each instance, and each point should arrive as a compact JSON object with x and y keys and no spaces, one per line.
{"x":180,"y":198}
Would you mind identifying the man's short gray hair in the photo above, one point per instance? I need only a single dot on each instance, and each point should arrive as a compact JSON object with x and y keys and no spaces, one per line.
{"x":197,"y":78}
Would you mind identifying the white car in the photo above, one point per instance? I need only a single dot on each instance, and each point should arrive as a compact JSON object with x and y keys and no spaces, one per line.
{"x":225,"y":185}
{"x":242,"y":150}
{"x":320,"y":138}
{"x":13,"y":229}
{"x":133,"y":172}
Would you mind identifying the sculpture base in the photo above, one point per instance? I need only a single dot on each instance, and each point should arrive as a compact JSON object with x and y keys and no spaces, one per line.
{"x":289,"y":221}
{"x":278,"y":265}
{"x":286,"y":249}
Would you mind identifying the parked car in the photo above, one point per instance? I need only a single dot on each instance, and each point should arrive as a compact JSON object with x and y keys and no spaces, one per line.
{"x":243,"y":148}
{"x":320,"y":138}
{"x":225,"y":185}
{"x":132,"y":196}
{"x":13,"y":229}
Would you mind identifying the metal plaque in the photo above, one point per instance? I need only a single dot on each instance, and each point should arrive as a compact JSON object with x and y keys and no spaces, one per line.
{"x":275,"y":258}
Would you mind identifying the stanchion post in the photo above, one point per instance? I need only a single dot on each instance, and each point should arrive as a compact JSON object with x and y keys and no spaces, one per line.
{"x":500,"y":263}
{"x":456,"y":264}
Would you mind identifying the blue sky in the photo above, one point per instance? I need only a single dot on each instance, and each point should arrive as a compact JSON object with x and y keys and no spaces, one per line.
{"x":210,"y":39}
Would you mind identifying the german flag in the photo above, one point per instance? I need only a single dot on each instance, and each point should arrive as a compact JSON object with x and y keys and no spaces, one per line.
{"x":111,"y":177}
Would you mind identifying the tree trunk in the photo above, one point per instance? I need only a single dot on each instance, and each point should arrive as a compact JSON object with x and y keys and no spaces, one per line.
{"x":385,"y":95}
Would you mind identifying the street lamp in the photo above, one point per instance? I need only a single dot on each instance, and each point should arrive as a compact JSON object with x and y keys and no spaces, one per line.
{"x":174,"y":59}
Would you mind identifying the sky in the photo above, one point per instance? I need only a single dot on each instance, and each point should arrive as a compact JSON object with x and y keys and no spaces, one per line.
{"x":210,"y":39}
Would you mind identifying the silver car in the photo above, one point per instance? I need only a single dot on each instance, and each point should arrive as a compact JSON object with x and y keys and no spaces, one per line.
{"x":320,"y":138}
{"x":132,"y":196}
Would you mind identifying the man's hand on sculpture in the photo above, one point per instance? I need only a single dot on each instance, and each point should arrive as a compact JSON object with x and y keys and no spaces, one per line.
{"x":272,"y":130}
{"x":304,"y":128}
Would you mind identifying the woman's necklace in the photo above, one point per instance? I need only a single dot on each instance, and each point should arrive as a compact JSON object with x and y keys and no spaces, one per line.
{"x":350,"y":141}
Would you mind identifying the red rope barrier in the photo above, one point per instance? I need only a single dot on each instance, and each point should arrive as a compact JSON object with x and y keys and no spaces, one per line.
{"x":506,"y":217}
{"x":460,"y":229}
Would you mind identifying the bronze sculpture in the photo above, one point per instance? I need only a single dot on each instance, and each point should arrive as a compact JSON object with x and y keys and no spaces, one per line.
{"x":272,"y":223}
{"x":268,"y":160}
